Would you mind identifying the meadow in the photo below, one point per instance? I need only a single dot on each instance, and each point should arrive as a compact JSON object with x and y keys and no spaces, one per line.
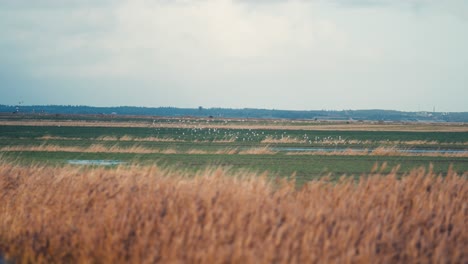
{"x":231,"y":190}
{"x":307,"y":149}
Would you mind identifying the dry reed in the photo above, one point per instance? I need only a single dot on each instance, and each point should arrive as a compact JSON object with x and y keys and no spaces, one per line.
{"x":147,"y":215}
{"x":227,"y":151}
{"x":99,"y":148}
{"x":386,"y":151}
{"x":131,"y":138}
{"x":107,"y":138}
{"x":258,"y":151}
{"x":283,"y":140}
{"x":169,"y":151}
{"x":49,"y":137}
{"x":267,"y":140}
{"x":95,"y":148}
{"x":380,"y":151}
{"x":225,"y":140}
{"x":347,"y":152}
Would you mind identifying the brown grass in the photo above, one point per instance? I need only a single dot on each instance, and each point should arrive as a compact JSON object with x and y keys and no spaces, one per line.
{"x":49,"y":137}
{"x":225,"y":140}
{"x":270,"y":140}
{"x":386,"y":151}
{"x":154,"y":139}
{"x":380,"y":151}
{"x":347,"y":152}
{"x":169,"y":151}
{"x":107,"y":138}
{"x":258,"y":151}
{"x":146,"y":215}
{"x":227,"y":151}
{"x":99,"y":148}
{"x":285,"y":140}
{"x":95,"y":148}
{"x":126,"y":138}
{"x":267,"y":140}
{"x":418,"y":142}
{"x":131,"y":138}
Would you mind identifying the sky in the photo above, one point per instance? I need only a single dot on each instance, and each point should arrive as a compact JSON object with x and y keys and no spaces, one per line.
{"x":409,"y":55}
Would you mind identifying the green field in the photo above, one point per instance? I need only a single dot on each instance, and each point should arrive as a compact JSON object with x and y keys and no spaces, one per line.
{"x":305,"y":167}
{"x":196,"y":146}
{"x":241,"y":136}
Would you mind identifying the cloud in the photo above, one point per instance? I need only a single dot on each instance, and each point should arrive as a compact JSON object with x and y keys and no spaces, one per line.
{"x":55,"y":4}
{"x":135,"y":36}
{"x":458,"y":8}
{"x":264,"y":53}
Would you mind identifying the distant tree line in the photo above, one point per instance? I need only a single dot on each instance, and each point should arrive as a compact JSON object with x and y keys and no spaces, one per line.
{"x":356,"y":115}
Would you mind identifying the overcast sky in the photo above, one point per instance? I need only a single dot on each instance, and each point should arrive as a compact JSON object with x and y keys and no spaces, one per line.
{"x":405,"y":55}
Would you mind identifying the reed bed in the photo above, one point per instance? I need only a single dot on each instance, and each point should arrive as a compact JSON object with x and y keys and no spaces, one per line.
{"x":95,"y":148}
{"x":225,"y":140}
{"x":266,"y":150}
{"x":267,"y":140}
{"x":258,"y":151}
{"x":347,"y":152}
{"x":148,"y":214}
{"x":136,"y":149}
{"x":49,"y":137}
{"x":138,"y":139}
{"x":283,"y":140}
{"x":380,"y":151}
{"x":227,"y":151}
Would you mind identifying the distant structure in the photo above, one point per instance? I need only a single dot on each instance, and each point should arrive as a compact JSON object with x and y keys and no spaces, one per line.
{"x":17,"y":108}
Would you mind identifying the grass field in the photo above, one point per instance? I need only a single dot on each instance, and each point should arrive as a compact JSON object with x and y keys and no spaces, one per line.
{"x":242,"y":191}
{"x":281,"y":147}
{"x":305,"y":167}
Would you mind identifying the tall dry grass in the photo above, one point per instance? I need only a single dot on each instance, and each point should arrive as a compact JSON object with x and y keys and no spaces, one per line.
{"x":267,"y":140}
{"x":265,"y":150}
{"x":286,"y":140}
{"x":99,"y":148}
{"x":147,"y":215}
{"x":94,"y":148}
{"x":142,"y":139}
{"x":379,"y":151}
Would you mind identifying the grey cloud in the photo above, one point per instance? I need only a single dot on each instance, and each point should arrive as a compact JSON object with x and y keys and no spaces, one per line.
{"x":413,"y":4}
{"x":67,"y":4}
{"x":301,"y":54}
{"x":454,"y":7}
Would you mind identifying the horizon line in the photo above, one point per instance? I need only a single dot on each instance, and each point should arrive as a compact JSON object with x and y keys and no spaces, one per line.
{"x":230,"y":108}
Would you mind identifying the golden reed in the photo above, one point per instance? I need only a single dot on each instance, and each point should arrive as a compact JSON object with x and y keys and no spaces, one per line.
{"x":147,"y":214}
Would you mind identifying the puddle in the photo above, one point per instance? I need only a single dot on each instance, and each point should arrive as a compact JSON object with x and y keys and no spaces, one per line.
{"x":95,"y":162}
